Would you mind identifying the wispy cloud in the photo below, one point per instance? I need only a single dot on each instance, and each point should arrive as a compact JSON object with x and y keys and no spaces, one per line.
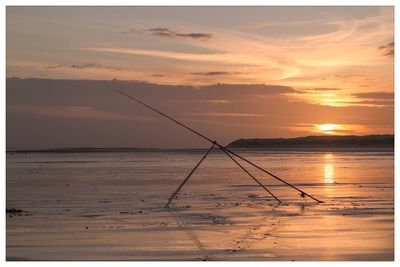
{"x":217,"y":57}
{"x":83,"y":66}
{"x":267,"y":24}
{"x":216,"y":73}
{"x":322,"y":89}
{"x":375,"y":95}
{"x":369,"y":103}
{"x":214,"y":101}
{"x":165,"y":32}
{"x":368,"y":99}
{"x":224,"y":114}
{"x":162,"y":54}
{"x":387,"y":49}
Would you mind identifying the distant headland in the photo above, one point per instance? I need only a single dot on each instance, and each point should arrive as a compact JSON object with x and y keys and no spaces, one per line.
{"x":349,"y":142}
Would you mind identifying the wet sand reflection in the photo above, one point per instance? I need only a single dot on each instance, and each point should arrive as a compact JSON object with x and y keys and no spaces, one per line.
{"x":329,"y":171}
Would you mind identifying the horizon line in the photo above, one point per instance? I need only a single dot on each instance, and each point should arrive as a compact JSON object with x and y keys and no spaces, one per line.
{"x":173,"y":148}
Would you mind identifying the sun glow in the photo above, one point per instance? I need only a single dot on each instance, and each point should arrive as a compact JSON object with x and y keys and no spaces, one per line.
{"x":328,"y":127}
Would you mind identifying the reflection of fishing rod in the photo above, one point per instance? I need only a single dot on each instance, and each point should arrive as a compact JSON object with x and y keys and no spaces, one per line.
{"x":227,"y":151}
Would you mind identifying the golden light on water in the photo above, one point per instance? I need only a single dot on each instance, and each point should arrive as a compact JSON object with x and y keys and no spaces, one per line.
{"x":329,"y":171}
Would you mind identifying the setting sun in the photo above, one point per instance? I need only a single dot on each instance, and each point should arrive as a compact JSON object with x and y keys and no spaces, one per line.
{"x":328,"y":127}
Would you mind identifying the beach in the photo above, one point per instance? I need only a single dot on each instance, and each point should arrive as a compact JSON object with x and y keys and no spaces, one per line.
{"x":110,"y":206}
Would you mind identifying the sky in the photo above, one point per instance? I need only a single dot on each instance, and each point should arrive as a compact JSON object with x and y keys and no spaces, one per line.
{"x":231,"y":72}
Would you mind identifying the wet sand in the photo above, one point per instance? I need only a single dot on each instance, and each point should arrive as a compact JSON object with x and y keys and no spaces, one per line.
{"x":111,"y":207}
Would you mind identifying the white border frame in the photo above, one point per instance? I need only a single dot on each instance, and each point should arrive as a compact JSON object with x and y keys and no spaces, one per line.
{"x":6,"y":3}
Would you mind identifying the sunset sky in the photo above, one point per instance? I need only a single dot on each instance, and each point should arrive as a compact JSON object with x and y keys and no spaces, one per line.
{"x":231,"y":72}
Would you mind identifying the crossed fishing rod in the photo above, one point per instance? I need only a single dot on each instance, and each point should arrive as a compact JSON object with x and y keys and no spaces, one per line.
{"x":227,"y":151}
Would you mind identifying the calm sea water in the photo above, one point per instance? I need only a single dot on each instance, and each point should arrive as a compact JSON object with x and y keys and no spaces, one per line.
{"x":84,"y":195}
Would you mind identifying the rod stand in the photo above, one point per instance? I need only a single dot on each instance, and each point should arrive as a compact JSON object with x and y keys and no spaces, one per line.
{"x":227,"y":151}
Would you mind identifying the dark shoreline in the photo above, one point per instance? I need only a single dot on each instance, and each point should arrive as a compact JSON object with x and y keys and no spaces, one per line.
{"x":318,"y":142}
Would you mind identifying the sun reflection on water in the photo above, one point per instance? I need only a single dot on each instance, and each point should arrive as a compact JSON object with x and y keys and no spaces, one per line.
{"x":329,"y":171}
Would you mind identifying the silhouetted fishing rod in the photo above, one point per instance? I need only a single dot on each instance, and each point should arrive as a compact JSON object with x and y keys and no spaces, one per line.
{"x":204,"y":137}
{"x":224,"y":149}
